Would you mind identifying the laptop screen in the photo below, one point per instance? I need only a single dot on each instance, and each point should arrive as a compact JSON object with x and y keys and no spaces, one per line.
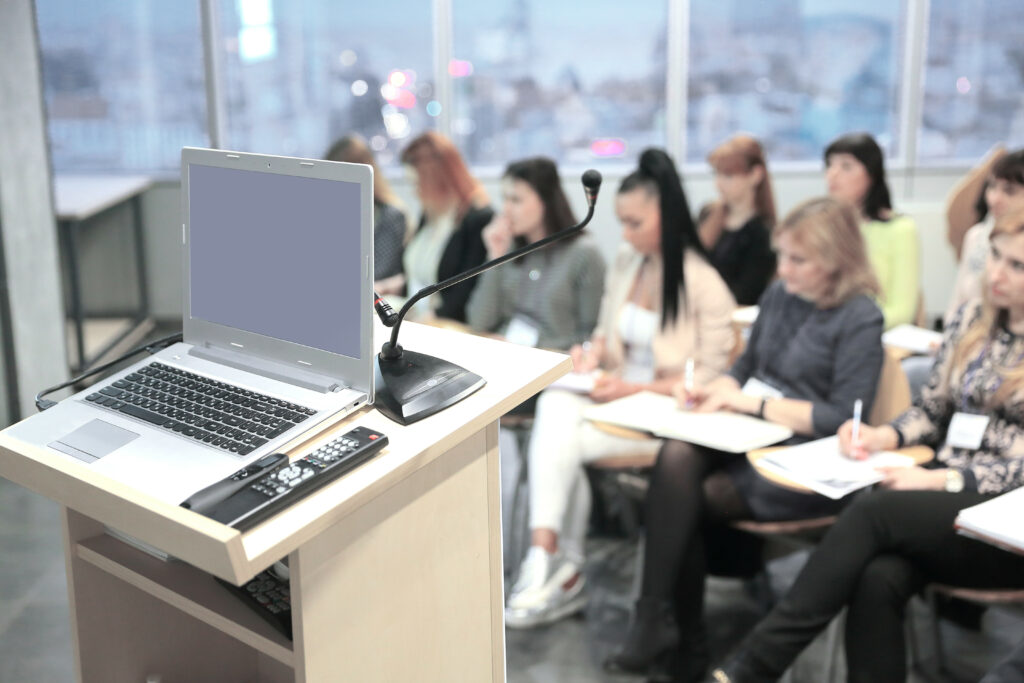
{"x":277,"y":255}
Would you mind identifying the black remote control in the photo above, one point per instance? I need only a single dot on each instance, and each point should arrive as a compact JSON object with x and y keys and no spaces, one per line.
{"x":203,"y":500}
{"x":269,"y":494}
{"x":270,"y":596}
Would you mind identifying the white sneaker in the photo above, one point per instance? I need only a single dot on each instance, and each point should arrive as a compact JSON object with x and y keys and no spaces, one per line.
{"x":549,"y":588}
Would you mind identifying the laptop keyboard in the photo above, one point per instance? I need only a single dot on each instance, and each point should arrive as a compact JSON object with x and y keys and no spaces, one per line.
{"x":222,"y":415}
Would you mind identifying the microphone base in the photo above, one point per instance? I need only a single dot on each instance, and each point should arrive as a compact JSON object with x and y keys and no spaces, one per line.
{"x":415,"y":385}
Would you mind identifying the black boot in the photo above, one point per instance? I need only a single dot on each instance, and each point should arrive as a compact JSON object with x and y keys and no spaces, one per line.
{"x":650,"y":643}
{"x":691,"y":659}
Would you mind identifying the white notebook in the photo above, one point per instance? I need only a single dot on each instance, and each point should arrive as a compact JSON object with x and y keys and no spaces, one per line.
{"x":913,"y":338}
{"x":820,"y":466}
{"x":658,"y":414}
{"x":996,"y":521}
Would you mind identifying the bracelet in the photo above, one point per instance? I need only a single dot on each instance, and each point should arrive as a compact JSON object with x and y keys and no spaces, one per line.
{"x":900,"y":442}
{"x":760,"y":410}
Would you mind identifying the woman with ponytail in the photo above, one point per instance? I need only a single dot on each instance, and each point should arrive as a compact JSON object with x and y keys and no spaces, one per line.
{"x":814,"y":350}
{"x":663,"y":304}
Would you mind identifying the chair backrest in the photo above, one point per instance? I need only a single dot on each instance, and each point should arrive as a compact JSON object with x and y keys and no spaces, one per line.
{"x":892,"y":396}
{"x":960,"y":211}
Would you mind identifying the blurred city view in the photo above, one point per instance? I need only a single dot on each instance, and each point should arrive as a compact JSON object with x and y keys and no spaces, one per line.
{"x":125,"y":83}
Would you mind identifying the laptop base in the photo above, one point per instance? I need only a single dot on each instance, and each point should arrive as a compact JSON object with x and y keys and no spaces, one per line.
{"x":414,"y":386}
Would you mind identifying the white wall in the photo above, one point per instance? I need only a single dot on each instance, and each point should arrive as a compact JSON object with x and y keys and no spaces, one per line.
{"x":921,"y":193}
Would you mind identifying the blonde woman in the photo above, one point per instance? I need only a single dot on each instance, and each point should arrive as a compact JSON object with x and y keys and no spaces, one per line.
{"x":889,"y":543}
{"x":814,"y":350}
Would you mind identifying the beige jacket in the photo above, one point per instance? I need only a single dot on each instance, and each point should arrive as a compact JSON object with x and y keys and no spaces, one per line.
{"x":703,"y":331}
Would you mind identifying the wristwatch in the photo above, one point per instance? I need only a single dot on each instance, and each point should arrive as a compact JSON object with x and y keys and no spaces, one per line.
{"x":954,"y":481}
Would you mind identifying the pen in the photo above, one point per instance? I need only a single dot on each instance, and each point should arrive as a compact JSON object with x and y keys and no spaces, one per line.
{"x":858,"y":406}
{"x":688,"y":381}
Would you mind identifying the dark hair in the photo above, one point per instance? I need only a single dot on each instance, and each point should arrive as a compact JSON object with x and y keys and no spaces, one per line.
{"x":864,"y":148}
{"x":657,"y":175}
{"x":541,"y":174}
{"x":1010,"y":167}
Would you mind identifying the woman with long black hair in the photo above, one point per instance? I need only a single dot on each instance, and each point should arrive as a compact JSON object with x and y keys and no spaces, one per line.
{"x":663,"y":304}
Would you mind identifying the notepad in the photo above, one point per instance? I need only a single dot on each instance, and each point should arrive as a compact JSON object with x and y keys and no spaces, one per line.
{"x":578,"y":382}
{"x":659,"y":415}
{"x":996,"y":521}
{"x":820,"y":466}
{"x":912,"y":338}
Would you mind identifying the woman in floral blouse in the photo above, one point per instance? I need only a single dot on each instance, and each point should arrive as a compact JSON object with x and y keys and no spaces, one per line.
{"x":889,"y":543}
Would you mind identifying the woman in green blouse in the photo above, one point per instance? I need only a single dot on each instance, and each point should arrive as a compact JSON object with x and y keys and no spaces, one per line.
{"x":855,"y":173}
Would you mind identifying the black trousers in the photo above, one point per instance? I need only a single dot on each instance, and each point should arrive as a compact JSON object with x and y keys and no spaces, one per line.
{"x":883,"y":549}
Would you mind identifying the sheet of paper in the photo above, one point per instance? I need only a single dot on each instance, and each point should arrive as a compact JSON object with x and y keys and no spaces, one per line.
{"x":579,"y":382}
{"x":820,"y":466}
{"x":659,"y":415}
{"x":996,"y":521}
{"x":912,"y":338}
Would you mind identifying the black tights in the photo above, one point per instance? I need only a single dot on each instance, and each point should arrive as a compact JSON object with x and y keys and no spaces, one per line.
{"x":882,"y":549}
{"x":690,"y":502}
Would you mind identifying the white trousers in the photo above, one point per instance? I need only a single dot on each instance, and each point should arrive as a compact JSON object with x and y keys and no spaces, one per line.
{"x":561,"y":443}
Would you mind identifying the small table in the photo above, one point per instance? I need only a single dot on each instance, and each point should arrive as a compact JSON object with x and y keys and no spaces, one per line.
{"x":919,"y":454}
{"x":79,"y":198}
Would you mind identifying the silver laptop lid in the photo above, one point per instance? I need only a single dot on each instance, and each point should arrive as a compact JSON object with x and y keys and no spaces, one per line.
{"x":278,"y":255}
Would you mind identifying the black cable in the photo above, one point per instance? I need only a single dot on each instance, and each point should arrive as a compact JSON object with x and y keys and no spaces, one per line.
{"x":152,"y":347}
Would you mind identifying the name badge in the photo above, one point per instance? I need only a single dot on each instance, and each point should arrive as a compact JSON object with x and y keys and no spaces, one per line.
{"x":521,"y":331}
{"x":966,"y":430}
{"x":755,"y":387}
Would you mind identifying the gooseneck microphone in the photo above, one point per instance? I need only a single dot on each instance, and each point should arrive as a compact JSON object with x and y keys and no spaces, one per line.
{"x":411,"y":385}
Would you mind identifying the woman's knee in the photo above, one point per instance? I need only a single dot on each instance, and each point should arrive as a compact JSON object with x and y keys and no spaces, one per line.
{"x":887,"y":580}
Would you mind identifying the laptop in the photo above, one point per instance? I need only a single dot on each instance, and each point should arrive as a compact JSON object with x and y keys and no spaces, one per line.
{"x":277,"y":329}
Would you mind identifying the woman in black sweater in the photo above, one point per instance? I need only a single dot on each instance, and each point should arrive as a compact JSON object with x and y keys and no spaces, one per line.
{"x":448,"y":240}
{"x":736,"y":229}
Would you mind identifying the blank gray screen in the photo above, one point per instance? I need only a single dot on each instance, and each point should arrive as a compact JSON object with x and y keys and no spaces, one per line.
{"x":276,"y":255}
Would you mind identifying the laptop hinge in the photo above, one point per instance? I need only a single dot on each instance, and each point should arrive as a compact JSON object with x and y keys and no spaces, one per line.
{"x":269,"y":369}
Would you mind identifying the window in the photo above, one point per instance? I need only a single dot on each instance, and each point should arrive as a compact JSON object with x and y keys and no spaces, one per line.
{"x":123,"y":83}
{"x":795,"y":74}
{"x":575,"y":83}
{"x":297,"y":76}
{"x":973,"y":79}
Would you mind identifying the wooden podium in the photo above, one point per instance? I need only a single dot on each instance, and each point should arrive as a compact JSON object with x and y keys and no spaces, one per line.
{"x":395,"y":568}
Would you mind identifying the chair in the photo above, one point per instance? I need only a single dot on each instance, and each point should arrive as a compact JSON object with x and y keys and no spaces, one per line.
{"x":932,"y":592}
{"x":960,"y":203}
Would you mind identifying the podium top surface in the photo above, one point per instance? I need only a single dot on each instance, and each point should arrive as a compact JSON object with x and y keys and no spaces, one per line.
{"x":513,"y":373}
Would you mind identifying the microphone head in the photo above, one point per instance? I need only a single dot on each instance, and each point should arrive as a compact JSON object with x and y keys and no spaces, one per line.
{"x":591,"y":185}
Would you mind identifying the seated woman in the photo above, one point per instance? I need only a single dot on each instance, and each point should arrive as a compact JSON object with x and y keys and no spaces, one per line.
{"x":550,"y":298}
{"x":891,"y":542}
{"x":855,"y":174}
{"x":736,"y":229}
{"x":1004,"y":193}
{"x":447,"y":241}
{"x":814,"y":349}
{"x":389,"y":224}
{"x":663,"y":303}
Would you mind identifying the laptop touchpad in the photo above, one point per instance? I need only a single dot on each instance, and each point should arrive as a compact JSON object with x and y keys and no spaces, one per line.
{"x":93,"y":440}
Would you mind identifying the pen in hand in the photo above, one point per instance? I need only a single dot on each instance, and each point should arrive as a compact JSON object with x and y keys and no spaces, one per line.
{"x":688,"y":382}
{"x":858,"y":406}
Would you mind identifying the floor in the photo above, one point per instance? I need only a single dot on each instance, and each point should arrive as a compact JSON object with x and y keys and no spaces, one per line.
{"x":35,"y":637}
